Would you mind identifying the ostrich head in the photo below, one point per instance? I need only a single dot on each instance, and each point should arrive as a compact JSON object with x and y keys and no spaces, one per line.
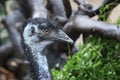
{"x":42,"y":30}
{"x":37,"y":34}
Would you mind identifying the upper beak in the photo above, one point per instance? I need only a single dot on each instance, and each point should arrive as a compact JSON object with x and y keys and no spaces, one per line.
{"x":62,"y":36}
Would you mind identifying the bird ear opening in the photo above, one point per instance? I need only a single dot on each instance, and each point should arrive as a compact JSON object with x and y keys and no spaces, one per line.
{"x":32,"y":31}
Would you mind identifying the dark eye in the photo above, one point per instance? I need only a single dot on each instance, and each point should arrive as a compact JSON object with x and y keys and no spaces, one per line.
{"x":46,"y":31}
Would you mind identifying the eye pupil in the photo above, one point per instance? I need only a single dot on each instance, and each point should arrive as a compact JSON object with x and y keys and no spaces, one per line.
{"x":46,"y":31}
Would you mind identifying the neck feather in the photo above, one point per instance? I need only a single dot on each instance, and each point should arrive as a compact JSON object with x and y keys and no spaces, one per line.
{"x":38,"y":61}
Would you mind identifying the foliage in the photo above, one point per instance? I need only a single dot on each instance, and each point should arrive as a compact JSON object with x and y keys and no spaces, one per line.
{"x":98,"y":59}
{"x":4,"y":35}
{"x":103,"y":12}
{"x":118,"y":22}
{"x":106,"y":9}
{"x":3,"y":32}
{"x":2,"y":11}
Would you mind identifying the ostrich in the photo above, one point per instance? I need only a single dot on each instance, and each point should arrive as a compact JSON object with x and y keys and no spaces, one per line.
{"x":37,"y":34}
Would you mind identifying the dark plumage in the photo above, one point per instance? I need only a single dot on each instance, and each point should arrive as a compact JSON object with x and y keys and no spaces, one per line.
{"x":39,"y":21}
{"x":44,"y":23}
{"x":37,"y":34}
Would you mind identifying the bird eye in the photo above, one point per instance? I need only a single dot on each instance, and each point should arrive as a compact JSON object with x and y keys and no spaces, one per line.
{"x":46,"y":31}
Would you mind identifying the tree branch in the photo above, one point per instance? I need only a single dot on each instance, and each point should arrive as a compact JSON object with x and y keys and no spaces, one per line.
{"x":83,"y":24}
{"x":10,"y":22}
{"x":38,"y":8}
{"x":68,"y":8}
{"x":6,"y":49}
{"x":58,"y":7}
{"x":89,"y":10}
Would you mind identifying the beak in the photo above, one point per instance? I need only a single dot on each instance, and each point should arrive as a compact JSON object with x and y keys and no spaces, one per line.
{"x":62,"y":36}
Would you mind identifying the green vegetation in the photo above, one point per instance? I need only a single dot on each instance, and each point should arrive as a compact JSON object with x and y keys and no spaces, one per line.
{"x":97,"y":59}
{"x":106,"y":9}
{"x":118,"y":22}
{"x":2,"y":10}
{"x":103,"y":12}
{"x":3,"y":32}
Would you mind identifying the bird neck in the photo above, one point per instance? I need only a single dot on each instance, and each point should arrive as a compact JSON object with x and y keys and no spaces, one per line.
{"x":38,"y":61}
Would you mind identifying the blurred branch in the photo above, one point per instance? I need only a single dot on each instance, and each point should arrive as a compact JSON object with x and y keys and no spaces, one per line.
{"x":25,"y":8}
{"x":68,"y":8}
{"x":6,"y":49}
{"x":58,"y":7}
{"x":80,"y":25}
{"x":89,"y":10}
{"x":8,"y":74}
{"x":10,"y":22}
{"x":38,"y":8}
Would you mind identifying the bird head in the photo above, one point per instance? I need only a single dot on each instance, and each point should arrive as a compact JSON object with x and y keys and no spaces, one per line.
{"x":40,"y":29}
